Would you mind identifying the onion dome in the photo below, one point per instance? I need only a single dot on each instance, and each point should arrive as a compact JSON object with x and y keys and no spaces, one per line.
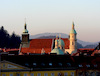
{"x":61,"y":42}
{"x":57,"y":51}
{"x":25,"y":29}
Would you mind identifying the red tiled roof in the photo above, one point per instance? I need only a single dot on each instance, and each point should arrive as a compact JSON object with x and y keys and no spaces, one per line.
{"x":40,"y":43}
{"x":87,"y":49}
{"x":38,"y":51}
{"x":67,"y":42}
{"x":36,"y":45}
{"x":95,"y":52}
{"x":7,"y":50}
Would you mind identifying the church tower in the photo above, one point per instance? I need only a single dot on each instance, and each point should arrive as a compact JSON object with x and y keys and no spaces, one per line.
{"x":73,"y":40}
{"x":25,"y":35}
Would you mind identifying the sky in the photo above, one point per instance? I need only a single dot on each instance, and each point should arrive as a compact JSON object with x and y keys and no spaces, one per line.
{"x":54,"y":16}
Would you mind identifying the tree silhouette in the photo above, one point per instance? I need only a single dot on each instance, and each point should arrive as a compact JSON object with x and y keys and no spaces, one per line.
{"x":8,"y":41}
{"x":14,"y":41}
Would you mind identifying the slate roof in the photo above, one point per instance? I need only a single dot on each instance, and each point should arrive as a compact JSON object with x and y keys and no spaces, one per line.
{"x":55,"y":62}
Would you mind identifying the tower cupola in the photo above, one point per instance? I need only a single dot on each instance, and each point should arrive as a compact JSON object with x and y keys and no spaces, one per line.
{"x":25,"y":35}
{"x":73,"y":40}
{"x":73,"y":31}
{"x":25,"y":28}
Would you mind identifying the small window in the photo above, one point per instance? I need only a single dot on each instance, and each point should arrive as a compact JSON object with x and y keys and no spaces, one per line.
{"x":38,"y":74}
{"x":59,"y":74}
{"x":95,"y":65}
{"x":18,"y":74}
{"x":11,"y":75}
{"x":60,"y":64}
{"x":65,"y":74}
{"x":32,"y":74}
{"x":3,"y":74}
{"x":34,"y":64}
{"x":25,"y":74}
{"x":69,"y":64}
{"x":72,"y":43}
{"x":87,"y":65}
{"x":50,"y":64}
{"x":80,"y":65}
{"x":92,"y":74}
{"x":45,"y":74}
{"x":3,"y":65}
{"x":52,"y":74}
{"x":72,"y":73}
{"x":26,"y":64}
{"x":42,"y":64}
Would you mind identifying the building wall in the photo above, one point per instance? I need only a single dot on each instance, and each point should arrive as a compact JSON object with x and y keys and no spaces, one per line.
{"x":88,"y":72}
{"x":42,"y":73}
{"x":73,"y":43}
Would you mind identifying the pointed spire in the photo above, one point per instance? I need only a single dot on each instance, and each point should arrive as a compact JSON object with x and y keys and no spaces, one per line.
{"x":25,"y":27}
{"x":73,"y":25}
{"x":59,"y":36}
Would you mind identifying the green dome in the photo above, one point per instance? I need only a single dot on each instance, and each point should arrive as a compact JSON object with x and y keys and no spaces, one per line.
{"x":57,"y":51}
{"x":25,"y":31}
{"x":73,"y":31}
{"x":61,"y":42}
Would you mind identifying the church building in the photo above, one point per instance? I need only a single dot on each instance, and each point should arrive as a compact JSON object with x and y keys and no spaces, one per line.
{"x":58,"y":45}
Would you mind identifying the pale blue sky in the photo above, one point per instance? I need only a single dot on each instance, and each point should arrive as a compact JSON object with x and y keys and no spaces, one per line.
{"x":52,"y":16}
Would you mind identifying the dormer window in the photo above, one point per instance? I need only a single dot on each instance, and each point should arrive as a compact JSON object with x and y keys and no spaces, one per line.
{"x":26,"y":64}
{"x":34,"y":64}
{"x":80,"y":65}
{"x":69,"y":64}
{"x":42,"y":64}
{"x":88,"y":66}
{"x":50,"y":64}
{"x":60,"y":64}
{"x":95,"y":65}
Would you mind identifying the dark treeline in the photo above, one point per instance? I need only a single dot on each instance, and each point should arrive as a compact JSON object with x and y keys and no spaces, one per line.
{"x":8,"y":41}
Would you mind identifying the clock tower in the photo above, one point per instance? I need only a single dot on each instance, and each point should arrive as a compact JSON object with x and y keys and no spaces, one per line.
{"x":73,"y":40}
